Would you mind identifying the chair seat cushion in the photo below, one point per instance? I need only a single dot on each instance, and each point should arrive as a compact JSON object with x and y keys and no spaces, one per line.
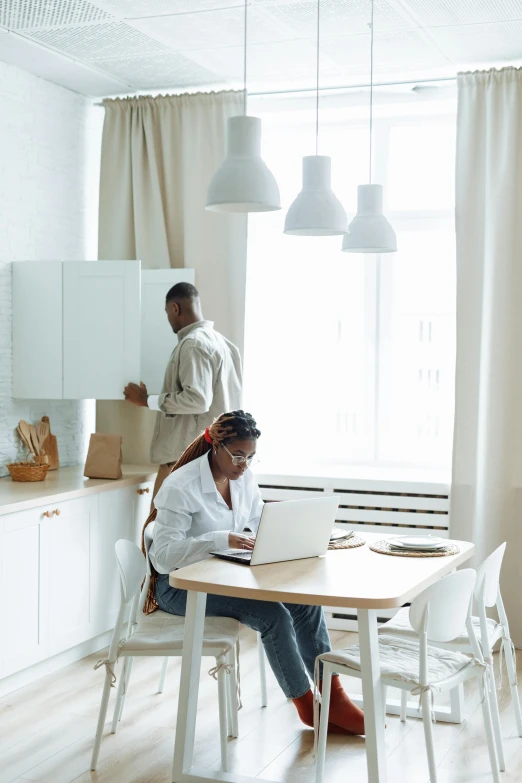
{"x":400,"y":626}
{"x":399,"y":659}
{"x":164,"y":631}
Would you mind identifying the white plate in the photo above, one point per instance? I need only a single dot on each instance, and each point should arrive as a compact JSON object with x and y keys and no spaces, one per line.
{"x":417,"y":542}
{"x":338,"y":535}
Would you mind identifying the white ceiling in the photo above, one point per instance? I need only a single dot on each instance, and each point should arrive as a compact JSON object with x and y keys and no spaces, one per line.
{"x":104,"y":47}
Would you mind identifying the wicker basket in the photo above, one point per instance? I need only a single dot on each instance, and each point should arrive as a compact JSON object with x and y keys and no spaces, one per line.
{"x":27,"y":471}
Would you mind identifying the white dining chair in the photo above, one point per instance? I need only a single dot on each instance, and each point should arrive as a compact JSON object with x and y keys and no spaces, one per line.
{"x":161,"y":634}
{"x":232,"y":660}
{"x":148,"y":538}
{"x":488,"y":632}
{"x":414,"y":665}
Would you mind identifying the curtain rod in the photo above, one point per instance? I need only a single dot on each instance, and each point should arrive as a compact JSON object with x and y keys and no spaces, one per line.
{"x":299,"y":91}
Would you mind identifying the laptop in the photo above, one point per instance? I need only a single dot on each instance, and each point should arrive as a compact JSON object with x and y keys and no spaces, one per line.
{"x":289,"y":530}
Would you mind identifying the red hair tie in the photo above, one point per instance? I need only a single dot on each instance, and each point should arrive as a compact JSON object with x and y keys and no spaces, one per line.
{"x":207,"y":436}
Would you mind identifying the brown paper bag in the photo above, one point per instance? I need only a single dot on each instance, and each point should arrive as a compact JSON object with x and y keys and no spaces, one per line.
{"x":104,"y":457}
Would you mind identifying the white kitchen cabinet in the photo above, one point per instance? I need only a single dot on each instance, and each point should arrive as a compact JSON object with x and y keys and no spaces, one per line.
{"x":24,"y":584}
{"x":83,"y":329}
{"x":142,"y":502}
{"x":101,"y":336}
{"x":58,"y":575}
{"x":72,"y":572}
{"x":37,"y":330}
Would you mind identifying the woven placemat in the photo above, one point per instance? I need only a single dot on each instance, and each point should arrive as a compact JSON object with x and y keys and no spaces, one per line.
{"x":347,"y":543}
{"x":383,"y":547}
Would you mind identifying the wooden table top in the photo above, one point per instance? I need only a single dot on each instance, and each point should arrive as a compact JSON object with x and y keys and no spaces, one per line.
{"x":355,"y":578}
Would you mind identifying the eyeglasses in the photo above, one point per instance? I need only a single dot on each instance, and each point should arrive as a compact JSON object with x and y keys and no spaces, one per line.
{"x":238,"y":459}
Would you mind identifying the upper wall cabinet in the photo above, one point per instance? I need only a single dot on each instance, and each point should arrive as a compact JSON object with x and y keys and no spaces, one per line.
{"x":84,"y":329}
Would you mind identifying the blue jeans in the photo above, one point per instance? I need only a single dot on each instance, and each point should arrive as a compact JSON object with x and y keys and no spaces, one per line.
{"x":293,"y":634}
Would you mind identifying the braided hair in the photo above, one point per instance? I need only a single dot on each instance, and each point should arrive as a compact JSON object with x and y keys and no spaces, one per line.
{"x":236,"y":425}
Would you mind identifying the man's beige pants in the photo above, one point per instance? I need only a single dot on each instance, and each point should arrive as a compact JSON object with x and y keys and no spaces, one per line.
{"x":163,"y":472}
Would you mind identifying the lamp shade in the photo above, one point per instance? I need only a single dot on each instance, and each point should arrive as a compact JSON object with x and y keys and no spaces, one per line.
{"x":243,"y":182}
{"x":316,"y":212}
{"x":369,"y":231}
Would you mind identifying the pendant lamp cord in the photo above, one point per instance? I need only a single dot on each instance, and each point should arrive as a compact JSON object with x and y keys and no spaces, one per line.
{"x":245,"y":63}
{"x":371,"y":91}
{"x":317,"y":87}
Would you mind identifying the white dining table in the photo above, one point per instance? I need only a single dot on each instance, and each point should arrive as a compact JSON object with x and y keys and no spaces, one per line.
{"x":345,"y":578}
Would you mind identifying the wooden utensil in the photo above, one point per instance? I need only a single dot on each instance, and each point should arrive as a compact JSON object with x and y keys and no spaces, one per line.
{"x":42,"y":430}
{"x":51,"y":446}
{"x":25,"y":431}
{"x":24,"y":439}
{"x":34,"y":439}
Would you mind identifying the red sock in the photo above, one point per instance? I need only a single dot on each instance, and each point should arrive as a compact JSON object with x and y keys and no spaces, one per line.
{"x":305,"y":708}
{"x":344,"y":714}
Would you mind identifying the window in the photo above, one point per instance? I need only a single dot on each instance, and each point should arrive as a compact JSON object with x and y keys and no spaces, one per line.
{"x":350,"y":358}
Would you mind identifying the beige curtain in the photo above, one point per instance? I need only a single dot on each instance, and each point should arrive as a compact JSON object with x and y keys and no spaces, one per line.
{"x":158,"y":155}
{"x":486,"y":505}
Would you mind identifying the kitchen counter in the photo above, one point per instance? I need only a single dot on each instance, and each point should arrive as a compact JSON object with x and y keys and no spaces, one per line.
{"x":65,"y":484}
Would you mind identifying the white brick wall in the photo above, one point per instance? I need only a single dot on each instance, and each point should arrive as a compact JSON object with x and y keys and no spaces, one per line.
{"x":49,"y":165}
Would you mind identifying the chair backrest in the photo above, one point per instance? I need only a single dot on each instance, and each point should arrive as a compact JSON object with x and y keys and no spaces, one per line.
{"x":132,"y":568}
{"x":148,"y":537}
{"x":488,"y":577}
{"x":447,"y":604}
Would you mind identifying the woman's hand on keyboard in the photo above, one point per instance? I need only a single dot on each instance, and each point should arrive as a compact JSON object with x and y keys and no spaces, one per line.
{"x":240,"y":541}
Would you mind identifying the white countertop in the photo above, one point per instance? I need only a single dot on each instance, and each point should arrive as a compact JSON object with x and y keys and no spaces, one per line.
{"x":65,"y":484}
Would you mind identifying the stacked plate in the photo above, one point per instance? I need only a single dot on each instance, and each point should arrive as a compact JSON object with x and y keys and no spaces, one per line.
{"x":338,"y":534}
{"x":417,"y":543}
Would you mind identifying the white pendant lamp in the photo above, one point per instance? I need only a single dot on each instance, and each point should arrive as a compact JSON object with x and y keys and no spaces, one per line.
{"x":316,"y":212}
{"x":243,"y":182}
{"x":370,"y":231}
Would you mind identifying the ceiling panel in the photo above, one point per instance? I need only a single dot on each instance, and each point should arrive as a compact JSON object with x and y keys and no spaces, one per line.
{"x":481,"y":43}
{"x":130,"y":9}
{"x":28,"y":14}
{"x":338,"y":17}
{"x":157,"y":72}
{"x":99,"y":42}
{"x":393,"y":52}
{"x":272,"y":61}
{"x":224,"y":27}
{"x":459,"y":12}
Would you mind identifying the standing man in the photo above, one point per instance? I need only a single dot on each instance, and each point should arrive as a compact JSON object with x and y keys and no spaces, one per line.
{"x":202,"y":380}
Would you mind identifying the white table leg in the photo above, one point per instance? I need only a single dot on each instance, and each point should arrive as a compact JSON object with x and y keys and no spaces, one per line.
{"x":372,"y":696}
{"x":189,"y":684}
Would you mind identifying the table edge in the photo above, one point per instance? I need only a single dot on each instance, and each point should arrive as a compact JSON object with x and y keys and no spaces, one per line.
{"x":312,"y":599}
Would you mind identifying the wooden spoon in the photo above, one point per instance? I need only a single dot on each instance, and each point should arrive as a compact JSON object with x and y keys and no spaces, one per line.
{"x":25,"y":432}
{"x":24,"y":439}
{"x":34,"y":439}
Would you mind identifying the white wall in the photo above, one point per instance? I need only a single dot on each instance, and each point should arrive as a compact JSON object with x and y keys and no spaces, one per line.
{"x":49,"y":167}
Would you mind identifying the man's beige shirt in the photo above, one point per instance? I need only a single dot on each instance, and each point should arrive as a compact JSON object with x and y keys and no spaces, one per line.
{"x":202,"y":380}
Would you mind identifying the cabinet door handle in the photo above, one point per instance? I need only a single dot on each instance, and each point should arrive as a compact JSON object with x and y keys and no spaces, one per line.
{"x":143,"y":491}
{"x":139,"y":491}
{"x":57,"y":512}
{"x":146,"y":490}
{"x":48,"y":514}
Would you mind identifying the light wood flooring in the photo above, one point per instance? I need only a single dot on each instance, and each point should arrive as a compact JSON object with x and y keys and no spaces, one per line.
{"x":47,"y":728}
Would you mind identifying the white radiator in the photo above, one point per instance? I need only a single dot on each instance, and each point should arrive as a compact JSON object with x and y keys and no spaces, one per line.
{"x":372,"y":505}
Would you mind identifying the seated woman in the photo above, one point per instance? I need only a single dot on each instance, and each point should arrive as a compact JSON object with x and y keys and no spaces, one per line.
{"x":204,"y":505}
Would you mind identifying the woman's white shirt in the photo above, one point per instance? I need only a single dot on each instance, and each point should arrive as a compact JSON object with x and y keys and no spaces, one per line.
{"x":194,"y":520}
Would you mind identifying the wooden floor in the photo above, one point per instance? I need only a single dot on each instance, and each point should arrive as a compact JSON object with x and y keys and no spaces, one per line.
{"x":47,"y":730}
